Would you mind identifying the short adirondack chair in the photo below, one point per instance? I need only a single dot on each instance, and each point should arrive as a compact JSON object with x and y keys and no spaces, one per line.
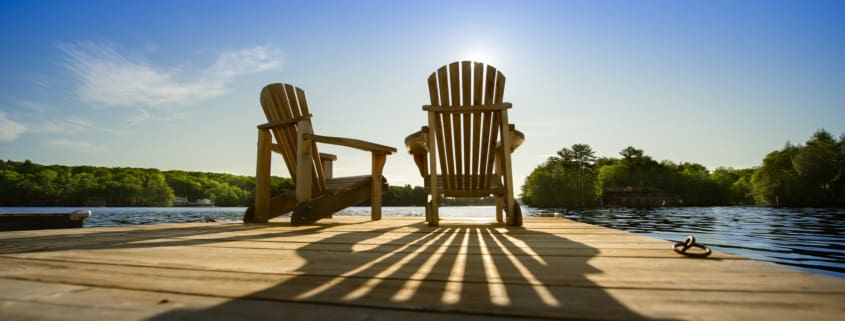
{"x":467,"y":135}
{"x":318,"y":194}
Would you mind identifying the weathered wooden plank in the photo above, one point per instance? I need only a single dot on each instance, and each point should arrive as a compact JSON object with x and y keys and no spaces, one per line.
{"x":338,"y":261}
{"x":457,"y":134}
{"x":444,"y":126}
{"x":485,"y":149}
{"x":276,"y":108}
{"x":352,"y":143}
{"x":552,"y":268}
{"x":50,"y":301}
{"x":525,"y":299}
{"x":108,"y":274}
{"x":478,"y":92}
{"x":355,"y":190}
{"x":262,"y":179}
{"x":377,"y":188}
{"x":307,"y":183}
{"x":466,"y":94}
{"x":457,"y":109}
{"x":10,"y":221}
{"x":343,"y":254}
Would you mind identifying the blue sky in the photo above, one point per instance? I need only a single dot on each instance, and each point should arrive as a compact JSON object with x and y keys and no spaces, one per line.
{"x":174,"y":84}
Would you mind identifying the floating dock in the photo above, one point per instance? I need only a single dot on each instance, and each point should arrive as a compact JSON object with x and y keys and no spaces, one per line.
{"x":394,"y":269}
{"x":37,"y":221}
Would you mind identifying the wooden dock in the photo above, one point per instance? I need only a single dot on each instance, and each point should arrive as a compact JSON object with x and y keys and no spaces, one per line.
{"x":37,"y":221}
{"x":393,"y":269}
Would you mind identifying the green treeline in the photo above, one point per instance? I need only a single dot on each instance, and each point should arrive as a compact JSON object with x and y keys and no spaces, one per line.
{"x":29,"y":184}
{"x":404,"y":196}
{"x":415,"y":196}
{"x":802,"y":175}
{"x":797,"y":175}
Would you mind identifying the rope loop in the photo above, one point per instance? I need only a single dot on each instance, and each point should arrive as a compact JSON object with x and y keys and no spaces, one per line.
{"x":688,"y":243}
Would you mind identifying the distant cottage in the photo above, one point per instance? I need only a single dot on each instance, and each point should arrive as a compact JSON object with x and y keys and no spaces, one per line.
{"x":94,"y":201}
{"x":637,"y":197}
{"x":182,"y":201}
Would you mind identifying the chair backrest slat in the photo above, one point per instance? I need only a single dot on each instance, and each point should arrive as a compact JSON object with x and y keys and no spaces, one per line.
{"x":466,"y":140}
{"x":477,"y":94}
{"x":466,"y":101}
{"x":282,"y":102}
{"x":457,"y":134}
{"x":443,"y":130}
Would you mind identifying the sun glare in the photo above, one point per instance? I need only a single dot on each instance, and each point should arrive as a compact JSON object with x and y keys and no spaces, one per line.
{"x":480,"y":55}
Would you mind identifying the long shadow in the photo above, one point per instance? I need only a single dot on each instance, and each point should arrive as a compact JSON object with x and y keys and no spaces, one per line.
{"x":454,"y":272}
{"x":119,"y":238}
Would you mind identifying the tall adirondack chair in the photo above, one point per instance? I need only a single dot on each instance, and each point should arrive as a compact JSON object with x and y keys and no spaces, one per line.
{"x":469,"y":137}
{"x":318,"y":194}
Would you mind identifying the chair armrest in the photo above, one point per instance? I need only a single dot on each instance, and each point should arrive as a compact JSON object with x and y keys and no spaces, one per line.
{"x":352,"y":143}
{"x":517,"y":138}
{"x":467,"y":109}
{"x":416,"y":143}
{"x":283,"y":123}
{"x":328,"y":168}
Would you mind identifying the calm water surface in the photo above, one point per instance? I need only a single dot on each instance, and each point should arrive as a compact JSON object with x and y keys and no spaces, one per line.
{"x":806,"y":239}
{"x":802,"y":238}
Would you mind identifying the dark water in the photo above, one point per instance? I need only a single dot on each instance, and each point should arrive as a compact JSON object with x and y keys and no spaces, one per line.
{"x":803,"y":238}
{"x":806,"y":239}
{"x":123,"y":216}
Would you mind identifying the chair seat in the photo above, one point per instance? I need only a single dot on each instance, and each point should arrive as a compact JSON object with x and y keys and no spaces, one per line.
{"x":340,"y":184}
{"x":463,"y":187}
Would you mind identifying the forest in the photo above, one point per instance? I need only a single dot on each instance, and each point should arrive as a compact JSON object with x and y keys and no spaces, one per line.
{"x":30,"y":184}
{"x":809,"y":174}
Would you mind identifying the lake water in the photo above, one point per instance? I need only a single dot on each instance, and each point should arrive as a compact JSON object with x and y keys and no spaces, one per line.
{"x":803,"y":238}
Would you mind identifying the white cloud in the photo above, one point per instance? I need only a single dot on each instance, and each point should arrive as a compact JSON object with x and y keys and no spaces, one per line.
{"x":110,"y":78}
{"x":141,"y":117}
{"x":77,"y":145}
{"x":69,"y":125}
{"x":80,"y":123}
{"x":232,"y":64}
{"x":10,"y":129}
{"x":144,"y":115}
{"x":31,"y":105}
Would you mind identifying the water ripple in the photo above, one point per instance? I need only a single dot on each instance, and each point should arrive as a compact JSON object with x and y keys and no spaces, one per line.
{"x":806,"y":239}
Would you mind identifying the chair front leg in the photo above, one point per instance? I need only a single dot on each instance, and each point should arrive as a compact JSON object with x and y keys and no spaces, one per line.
{"x":500,"y":206}
{"x":262,"y":177}
{"x":304,"y":164}
{"x":379,"y":159}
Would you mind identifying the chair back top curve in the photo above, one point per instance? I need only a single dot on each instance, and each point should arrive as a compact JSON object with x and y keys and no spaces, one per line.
{"x":287,"y":105}
{"x":466,"y":83}
{"x":467,"y":119}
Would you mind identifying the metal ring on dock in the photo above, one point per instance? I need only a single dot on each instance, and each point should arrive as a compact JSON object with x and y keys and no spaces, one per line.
{"x":688,"y":243}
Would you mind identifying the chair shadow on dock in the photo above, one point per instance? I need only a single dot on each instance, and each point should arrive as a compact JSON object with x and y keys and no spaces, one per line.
{"x":122,"y":238}
{"x":452,"y":272}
